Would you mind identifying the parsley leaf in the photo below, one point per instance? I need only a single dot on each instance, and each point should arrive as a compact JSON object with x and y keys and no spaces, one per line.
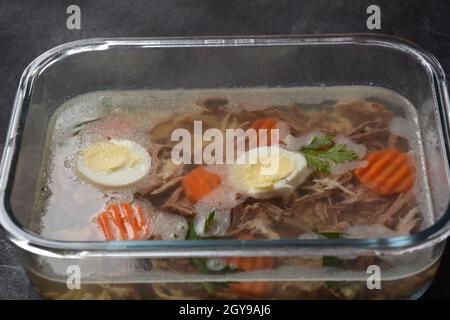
{"x":331,"y":285}
{"x":320,"y":142}
{"x":321,"y":153}
{"x":191,"y":234}
{"x":212,"y":287}
{"x":331,"y":234}
{"x":331,"y":261}
{"x":200,"y":263}
{"x":209,"y":221}
{"x":315,"y":162}
{"x":339,"y":154}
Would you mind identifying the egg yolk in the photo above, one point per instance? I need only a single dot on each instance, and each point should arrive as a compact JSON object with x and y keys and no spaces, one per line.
{"x":107,"y":157}
{"x":251,"y":175}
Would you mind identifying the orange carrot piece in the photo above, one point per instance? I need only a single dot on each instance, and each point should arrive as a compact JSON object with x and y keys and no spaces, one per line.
{"x":388,"y":171}
{"x":131,"y":218}
{"x":267,"y":124}
{"x":255,"y":289}
{"x":102,"y":221}
{"x":141,"y":221}
{"x":198,"y":183}
{"x":115,"y":213}
{"x":123,"y":221}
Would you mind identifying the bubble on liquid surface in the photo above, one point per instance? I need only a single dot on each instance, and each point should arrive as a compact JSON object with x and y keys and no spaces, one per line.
{"x":168,"y":226}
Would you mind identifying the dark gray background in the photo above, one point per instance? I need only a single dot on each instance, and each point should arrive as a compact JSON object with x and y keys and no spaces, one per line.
{"x":28,"y":28}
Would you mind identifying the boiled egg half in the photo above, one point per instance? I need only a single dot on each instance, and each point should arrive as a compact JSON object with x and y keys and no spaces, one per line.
{"x":269,"y":172}
{"x":114,"y":163}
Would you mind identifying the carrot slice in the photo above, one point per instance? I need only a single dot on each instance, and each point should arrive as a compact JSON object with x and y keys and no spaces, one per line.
{"x":255,"y":289}
{"x":388,"y":171}
{"x":140,"y":219}
{"x":130,"y":216}
{"x":115,"y":214}
{"x":102,"y":221}
{"x":198,"y":183}
{"x":123,"y":221}
{"x":264,"y":124}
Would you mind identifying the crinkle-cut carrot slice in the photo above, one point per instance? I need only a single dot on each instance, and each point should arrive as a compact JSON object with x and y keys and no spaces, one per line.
{"x":115,"y":213}
{"x":102,"y":221}
{"x":265,"y":123}
{"x":130,"y":216}
{"x":388,"y":171}
{"x":123,"y":221}
{"x":198,"y":183}
{"x":255,"y":289}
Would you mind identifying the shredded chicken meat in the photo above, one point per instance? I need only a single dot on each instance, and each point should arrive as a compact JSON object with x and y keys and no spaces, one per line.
{"x":164,"y":174}
{"x":177,"y":203}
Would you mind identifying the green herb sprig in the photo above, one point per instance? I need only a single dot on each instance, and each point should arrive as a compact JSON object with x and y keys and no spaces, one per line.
{"x":322,"y":152}
{"x":77,"y":128}
{"x":331,"y":234}
{"x":209,"y":220}
{"x":331,"y":261}
{"x":191,"y":234}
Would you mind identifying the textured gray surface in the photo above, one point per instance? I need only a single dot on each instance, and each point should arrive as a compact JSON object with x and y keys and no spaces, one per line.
{"x":28,"y":28}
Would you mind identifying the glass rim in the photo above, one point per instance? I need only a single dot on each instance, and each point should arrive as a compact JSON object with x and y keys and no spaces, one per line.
{"x":32,"y":242}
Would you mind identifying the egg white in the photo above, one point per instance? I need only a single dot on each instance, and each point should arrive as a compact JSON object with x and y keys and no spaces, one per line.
{"x":122,"y":176}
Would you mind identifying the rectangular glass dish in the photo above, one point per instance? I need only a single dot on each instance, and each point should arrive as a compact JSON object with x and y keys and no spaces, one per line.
{"x":150,"y":73}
